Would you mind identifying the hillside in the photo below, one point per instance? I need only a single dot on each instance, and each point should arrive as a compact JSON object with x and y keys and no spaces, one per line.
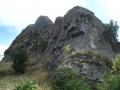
{"x":75,"y":40}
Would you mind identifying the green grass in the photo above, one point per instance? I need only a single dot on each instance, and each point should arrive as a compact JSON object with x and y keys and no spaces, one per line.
{"x":8,"y":81}
{"x":5,"y":69}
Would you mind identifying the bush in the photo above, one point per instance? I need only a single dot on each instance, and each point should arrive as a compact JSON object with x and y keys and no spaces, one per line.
{"x":19,"y":61}
{"x":116,"y":65}
{"x":6,"y":69}
{"x":67,"y":79}
{"x":43,"y":45}
{"x":28,"y":85}
{"x":68,"y":49}
{"x":110,"y":82}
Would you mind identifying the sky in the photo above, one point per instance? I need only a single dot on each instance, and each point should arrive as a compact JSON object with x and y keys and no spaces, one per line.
{"x":15,"y":15}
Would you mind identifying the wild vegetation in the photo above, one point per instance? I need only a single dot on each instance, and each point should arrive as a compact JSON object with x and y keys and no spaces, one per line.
{"x":68,"y":49}
{"x":116,"y":65}
{"x":64,"y":79}
{"x":43,"y":45}
{"x":28,"y":85}
{"x":11,"y":81}
{"x":20,"y":75}
{"x":111,"y":34}
{"x":67,"y":79}
{"x":19,"y":61}
{"x":111,"y":81}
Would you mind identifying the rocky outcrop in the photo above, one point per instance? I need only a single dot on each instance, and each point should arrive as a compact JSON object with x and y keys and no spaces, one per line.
{"x":79,"y":31}
{"x":82,"y":31}
{"x":31,"y":38}
{"x":89,"y":63}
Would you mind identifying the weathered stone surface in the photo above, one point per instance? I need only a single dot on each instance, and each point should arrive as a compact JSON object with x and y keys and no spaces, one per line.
{"x":83,"y":31}
{"x":30,"y":38}
{"x":80,"y":29}
{"x":44,"y":25}
{"x":89,"y":63}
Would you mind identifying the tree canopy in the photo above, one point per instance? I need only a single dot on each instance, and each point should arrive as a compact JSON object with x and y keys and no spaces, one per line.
{"x":19,"y":61}
{"x":111,"y":34}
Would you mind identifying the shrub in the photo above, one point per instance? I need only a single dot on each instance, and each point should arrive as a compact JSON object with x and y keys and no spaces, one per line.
{"x":68,"y":49}
{"x":67,"y":79}
{"x":28,"y":85}
{"x":19,"y":61}
{"x":110,"y":82}
{"x":6,"y":69}
{"x":43,"y":45}
{"x":116,"y":65}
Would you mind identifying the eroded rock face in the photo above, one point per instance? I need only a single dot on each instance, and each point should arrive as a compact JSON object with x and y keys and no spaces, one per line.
{"x":88,"y":63}
{"x":79,"y":29}
{"x":82,"y":31}
{"x":30,"y":38}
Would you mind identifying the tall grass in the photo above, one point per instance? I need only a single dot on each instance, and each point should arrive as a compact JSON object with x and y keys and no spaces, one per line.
{"x":37,"y":73}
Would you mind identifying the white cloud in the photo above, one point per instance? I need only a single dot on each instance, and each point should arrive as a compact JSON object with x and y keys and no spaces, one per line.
{"x":20,"y":13}
{"x":112,"y":8}
{"x":2,"y":49}
{"x":1,"y":58}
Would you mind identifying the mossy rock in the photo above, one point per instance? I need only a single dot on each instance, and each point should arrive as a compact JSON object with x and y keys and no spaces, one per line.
{"x":43,"y":45}
{"x":90,"y":55}
{"x":68,"y":49}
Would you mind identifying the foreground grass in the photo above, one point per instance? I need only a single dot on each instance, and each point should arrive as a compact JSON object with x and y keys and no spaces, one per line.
{"x":9,"y":81}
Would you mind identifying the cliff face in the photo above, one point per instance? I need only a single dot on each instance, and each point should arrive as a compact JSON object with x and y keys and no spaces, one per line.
{"x":75,"y":40}
{"x":31,"y":38}
{"x":80,"y":29}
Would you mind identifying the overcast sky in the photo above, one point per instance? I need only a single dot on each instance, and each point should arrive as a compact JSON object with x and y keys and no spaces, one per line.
{"x":15,"y":15}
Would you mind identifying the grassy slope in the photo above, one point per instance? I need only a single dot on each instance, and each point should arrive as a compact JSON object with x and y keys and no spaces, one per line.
{"x":36,"y":72}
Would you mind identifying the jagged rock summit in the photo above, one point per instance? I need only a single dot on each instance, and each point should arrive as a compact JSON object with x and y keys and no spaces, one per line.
{"x":75,"y":40}
{"x":30,"y":38}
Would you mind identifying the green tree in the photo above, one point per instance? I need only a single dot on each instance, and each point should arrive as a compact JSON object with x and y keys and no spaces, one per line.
{"x":19,"y":61}
{"x":110,"y":33}
{"x":67,"y":79}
